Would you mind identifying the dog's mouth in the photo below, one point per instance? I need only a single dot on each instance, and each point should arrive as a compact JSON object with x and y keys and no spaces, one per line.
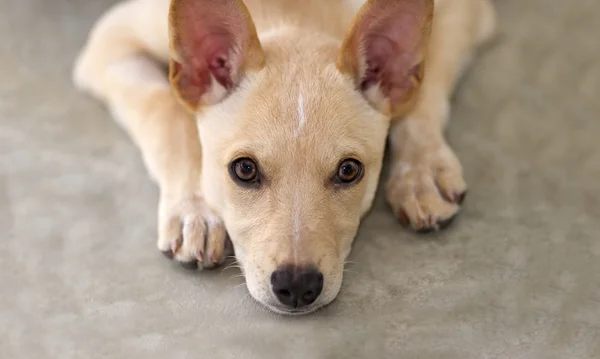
{"x":294,"y":312}
{"x":280,"y":309}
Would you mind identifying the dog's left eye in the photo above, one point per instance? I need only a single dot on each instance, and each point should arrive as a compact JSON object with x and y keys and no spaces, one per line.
{"x":349,"y":171}
{"x":244,"y":170}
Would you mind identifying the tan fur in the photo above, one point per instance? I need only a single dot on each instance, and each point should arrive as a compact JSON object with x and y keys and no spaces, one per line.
{"x":298,"y":112}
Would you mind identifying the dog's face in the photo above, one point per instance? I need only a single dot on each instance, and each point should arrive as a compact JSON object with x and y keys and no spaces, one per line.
{"x":293,"y":131}
{"x":291,"y":161}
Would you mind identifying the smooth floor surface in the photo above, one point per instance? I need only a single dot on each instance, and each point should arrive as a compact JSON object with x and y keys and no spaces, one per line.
{"x":517,"y":276}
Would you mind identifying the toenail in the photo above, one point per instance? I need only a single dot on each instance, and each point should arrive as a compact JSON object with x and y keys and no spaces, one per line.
{"x":461,"y":197}
{"x":175,"y":245}
{"x":168,"y":253}
{"x":425,"y":230}
{"x":420,"y":224}
{"x":403,"y":218}
{"x":431,"y":221}
{"x":449,"y":196}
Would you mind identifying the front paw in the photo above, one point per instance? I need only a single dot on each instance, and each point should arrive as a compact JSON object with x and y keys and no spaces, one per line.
{"x":191,"y":233}
{"x":426,"y":188}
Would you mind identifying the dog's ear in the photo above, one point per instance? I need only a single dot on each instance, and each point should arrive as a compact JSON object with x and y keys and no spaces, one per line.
{"x":384,"y":51}
{"x":213,"y":43}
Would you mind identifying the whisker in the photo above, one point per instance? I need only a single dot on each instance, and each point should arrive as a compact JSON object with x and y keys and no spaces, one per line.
{"x":350,"y":264}
{"x":242,"y":275}
{"x":239,"y":285}
{"x":255,"y":305}
{"x":232,"y":265}
{"x":237,"y":304}
{"x":263,"y":309}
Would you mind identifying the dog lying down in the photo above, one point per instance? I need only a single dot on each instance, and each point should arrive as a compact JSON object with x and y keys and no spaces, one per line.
{"x":271,"y":126}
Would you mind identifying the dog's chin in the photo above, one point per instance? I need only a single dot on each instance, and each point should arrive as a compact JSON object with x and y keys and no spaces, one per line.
{"x":292,"y":312}
{"x":279,"y":309}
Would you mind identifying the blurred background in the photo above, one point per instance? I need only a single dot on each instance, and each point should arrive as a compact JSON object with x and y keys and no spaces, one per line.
{"x":517,"y":276}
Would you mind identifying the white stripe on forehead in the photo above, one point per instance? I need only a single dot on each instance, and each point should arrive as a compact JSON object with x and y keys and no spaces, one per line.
{"x":296,"y":209}
{"x":297,"y":225}
{"x":301,"y":114}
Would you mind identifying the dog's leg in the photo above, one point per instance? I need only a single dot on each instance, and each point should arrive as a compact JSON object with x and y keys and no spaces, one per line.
{"x":426,"y":185}
{"x":119,"y":66}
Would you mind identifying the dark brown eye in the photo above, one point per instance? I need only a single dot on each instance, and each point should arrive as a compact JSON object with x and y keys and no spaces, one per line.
{"x":244,"y":170}
{"x":349,"y":171}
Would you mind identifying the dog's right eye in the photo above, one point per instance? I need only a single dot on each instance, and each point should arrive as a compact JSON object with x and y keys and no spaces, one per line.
{"x":349,"y":171}
{"x":245,"y":171}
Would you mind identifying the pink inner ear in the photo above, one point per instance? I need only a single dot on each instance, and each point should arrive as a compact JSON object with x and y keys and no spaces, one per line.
{"x":208,"y":53}
{"x":390,"y":45}
{"x":209,"y":39}
{"x":390,"y":67}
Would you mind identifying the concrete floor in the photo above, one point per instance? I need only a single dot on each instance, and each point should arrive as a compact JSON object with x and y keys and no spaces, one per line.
{"x":518,"y":276}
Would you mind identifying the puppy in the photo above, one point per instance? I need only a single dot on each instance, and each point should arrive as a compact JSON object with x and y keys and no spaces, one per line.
{"x":271,"y":125}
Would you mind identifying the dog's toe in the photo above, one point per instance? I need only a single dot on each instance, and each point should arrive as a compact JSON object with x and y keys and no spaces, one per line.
{"x":200,"y":237}
{"x":426,"y":196}
{"x":436,"y":225}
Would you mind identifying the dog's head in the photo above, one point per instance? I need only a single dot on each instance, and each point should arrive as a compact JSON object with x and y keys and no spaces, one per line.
{"x":293,"y":128}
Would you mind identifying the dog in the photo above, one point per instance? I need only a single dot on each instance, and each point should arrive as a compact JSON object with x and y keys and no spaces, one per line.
{"x":270,"y":127}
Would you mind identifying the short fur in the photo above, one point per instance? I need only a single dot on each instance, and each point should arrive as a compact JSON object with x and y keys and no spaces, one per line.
{"x":298,"y":86}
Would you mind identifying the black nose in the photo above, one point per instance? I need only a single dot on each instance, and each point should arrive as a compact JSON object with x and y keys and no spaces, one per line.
{"x":296,"y":287}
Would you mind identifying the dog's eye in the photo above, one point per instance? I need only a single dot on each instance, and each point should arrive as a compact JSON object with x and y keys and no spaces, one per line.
{"x":349,"y":171}
{"x":244,"y":170}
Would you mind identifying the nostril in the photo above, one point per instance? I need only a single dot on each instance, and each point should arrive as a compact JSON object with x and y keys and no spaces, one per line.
{"x":312,"y":286}
{"x":283,"y":293}
{"x":308,"y":296}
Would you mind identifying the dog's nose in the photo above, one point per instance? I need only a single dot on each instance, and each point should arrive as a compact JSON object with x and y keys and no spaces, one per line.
{"x":296,"y":287}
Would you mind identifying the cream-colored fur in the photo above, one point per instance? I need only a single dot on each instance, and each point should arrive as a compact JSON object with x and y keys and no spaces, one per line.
{"x":298,"y":114}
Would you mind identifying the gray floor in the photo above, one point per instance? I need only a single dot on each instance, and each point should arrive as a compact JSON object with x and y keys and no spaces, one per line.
{"x":516,"y":277}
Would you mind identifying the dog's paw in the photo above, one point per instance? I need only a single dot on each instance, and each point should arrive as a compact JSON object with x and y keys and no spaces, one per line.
{"x":191,"y":233}
{"x":426,"y":188}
